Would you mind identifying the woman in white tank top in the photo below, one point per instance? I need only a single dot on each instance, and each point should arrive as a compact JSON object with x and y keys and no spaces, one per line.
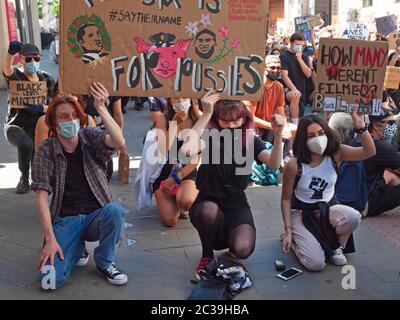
{"x":309,"y":188}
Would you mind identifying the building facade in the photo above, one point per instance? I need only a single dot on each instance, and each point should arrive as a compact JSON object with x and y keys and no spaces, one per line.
{"x":334,"y":12}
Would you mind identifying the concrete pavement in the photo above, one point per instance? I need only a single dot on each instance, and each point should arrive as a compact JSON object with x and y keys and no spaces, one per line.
{"x":160,"y":262}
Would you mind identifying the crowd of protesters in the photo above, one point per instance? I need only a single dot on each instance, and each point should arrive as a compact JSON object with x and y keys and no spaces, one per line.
{"x":65,"y":149}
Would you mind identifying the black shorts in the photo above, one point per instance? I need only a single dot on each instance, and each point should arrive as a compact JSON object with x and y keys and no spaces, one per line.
{"x":230,"y":219}
{"x":166,"y":171}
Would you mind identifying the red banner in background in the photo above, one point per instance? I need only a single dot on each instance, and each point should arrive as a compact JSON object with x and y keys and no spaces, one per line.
{"x":12,"y":25}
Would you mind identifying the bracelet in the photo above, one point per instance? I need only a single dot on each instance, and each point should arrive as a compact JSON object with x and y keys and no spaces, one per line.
{"x":174,"y":175}
{"x":360,"y":130}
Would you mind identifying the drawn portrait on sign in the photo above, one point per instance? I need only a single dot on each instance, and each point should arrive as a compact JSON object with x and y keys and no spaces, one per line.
{"x":205,"y":43}
{"x":91,"y":43}
{"x":164,"y":51}
{"x":89,"y":40}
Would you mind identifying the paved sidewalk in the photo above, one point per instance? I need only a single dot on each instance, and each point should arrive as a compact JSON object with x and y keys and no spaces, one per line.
{"x":160,"y":262}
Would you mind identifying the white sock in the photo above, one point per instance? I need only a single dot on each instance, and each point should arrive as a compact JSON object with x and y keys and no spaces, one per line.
{"x":295,"y":121}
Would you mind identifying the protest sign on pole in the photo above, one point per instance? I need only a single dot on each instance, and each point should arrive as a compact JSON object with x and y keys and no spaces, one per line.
{"x":300,"y":24}
{"x":169,"y":48}
{"x":357,"y":31}
{"x":392,"y":77}
{"x":386,"y":25}
{"x":23,"y":93}
{"x":353,"y":15}
{"x":394,"y":40}
{"x":314,"y":21}
{"x":350,"y":73}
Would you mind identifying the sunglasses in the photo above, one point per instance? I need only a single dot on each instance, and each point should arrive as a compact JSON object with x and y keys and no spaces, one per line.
{"x":274,"y":68}
{"x":29,"y":59}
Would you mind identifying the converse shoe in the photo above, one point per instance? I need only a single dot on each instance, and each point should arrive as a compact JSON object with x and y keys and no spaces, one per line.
{"x":338,"y":258}
{"x":201,"y":271}
{"x":23,"y":185}
{"x":114,"y":275}
{"x":84,"y":259}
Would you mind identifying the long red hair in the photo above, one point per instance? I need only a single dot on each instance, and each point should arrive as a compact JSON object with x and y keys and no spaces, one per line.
{"x":51,"y":111}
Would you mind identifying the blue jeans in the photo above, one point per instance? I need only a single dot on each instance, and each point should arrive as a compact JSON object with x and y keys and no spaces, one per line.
{"x":103,"y":225}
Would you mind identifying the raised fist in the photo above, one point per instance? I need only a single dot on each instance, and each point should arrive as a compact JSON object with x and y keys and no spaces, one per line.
{"x":15,"y":47}
{"x":318,"y":185}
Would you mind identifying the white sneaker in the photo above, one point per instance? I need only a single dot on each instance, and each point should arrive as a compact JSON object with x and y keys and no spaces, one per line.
{"x":338,"y":258}
{"x":84,"y":259}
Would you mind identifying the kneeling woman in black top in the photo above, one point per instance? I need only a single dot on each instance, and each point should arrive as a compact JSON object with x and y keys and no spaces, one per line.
{"x":221,"y":213}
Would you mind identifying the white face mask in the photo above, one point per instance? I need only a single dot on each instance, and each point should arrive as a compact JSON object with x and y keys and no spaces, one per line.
{"x":182,"y":106}
{"x":318,"y":144}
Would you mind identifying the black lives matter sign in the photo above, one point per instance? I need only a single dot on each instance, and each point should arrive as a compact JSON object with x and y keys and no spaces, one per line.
{"x":23,"y":93}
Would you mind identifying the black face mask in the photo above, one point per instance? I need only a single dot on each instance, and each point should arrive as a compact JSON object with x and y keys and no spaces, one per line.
{"x":273,"y":75}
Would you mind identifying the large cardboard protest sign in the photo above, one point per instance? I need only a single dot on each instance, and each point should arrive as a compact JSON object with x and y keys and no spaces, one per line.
{"x":169,"y":48}
{"x":386,"y":25}
{"x":357,"y":31}
{"x":394,"y":40}
{"x":350,"y":73}
{"x":23,"y":93}
{"x":392,"y":78}
{"x":301,"y":24}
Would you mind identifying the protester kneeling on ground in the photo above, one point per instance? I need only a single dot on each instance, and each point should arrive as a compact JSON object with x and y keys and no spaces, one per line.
{"x":221,"y":213}
{"x":382,"y":170}
{"x":70,"y":165}
{"x":19,"y":128}
{"x":175,"y":189}
{"x":315,"y":226}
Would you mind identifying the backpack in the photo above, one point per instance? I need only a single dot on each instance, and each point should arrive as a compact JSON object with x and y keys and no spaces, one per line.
{"x":261,"y":174}
{"x":351,"y":186}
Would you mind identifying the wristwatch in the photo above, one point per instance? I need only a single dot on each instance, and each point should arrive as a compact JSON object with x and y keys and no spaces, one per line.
{"x":360,"y":130}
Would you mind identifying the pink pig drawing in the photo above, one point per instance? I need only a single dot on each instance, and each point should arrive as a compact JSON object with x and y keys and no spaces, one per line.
{"x":167,"y":52}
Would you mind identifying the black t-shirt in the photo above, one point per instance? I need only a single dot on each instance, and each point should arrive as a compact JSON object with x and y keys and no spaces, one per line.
{"x":78,"y":198}
{"x":221,"y":182}
{"x":386,"y":157}
{"x":21,"y":117}
{"x":91,"y":110}
{"x":289,"y":62}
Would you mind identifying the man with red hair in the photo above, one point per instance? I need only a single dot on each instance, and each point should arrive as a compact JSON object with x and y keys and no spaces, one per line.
{"x":70,"y":165}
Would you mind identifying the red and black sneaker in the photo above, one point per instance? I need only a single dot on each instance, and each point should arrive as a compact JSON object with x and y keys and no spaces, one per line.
{"x":201,"y":271}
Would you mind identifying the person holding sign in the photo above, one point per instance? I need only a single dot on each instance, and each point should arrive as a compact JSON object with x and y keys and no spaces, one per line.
{"x":316,"y":227}
{"x":19,"y":128}
{"x":295,"y":71}
{"x":221,"y":213}
{"x":70,"y":165}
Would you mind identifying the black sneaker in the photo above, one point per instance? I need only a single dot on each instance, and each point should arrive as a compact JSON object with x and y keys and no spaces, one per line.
{"x":84,"y":259}
{"x":23,"y":186}
{"x":113,"y":275}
